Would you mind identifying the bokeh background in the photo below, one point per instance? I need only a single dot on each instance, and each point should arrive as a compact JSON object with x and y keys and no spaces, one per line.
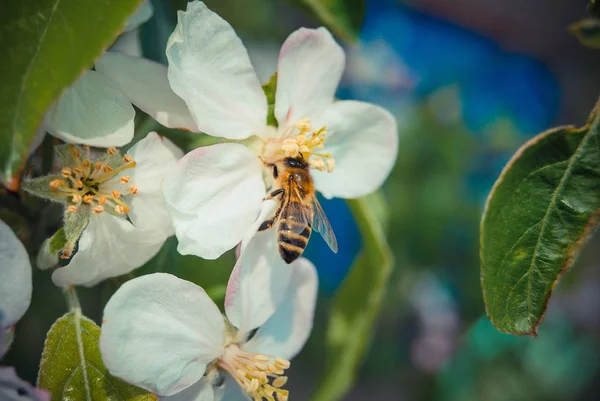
{"x":469,"y":81}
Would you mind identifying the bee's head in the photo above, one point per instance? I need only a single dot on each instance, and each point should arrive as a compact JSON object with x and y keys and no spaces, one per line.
{"x":296,"y":162}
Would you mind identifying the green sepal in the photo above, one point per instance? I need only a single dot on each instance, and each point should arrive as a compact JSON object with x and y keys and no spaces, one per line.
{"x":72,"y":369}
{"x":587,"y":32}
{"x":270,"y":88}
{"x":74,"y":224}
{"x":40,"y":187}
{"x":66,"y":155}
{"x":542,"y":209}
{"x":48,"y":254}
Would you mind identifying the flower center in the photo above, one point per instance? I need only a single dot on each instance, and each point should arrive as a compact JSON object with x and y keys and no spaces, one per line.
{"x":299,"y":139}
{"x":92,"y":183}
{"x":261,"y":376}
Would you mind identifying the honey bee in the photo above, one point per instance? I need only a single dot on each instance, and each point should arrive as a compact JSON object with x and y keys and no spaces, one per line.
{"x":299,"y":211}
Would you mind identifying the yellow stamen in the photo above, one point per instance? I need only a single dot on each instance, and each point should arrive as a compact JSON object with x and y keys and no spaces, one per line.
{"x":76,"y":198}
{"x":116,"y":193}
{"x":66,"y":172}
{"x":54,"y":184}
{"x":299,"y":140}
{"x":88,"y":198}
{"x":111,"y":150}
{"x":71,"y":209}
{"x":252,"y":372}
{"x":133,"y":190}
{"x":98,"y":209}
{"x":127,"y":158}
{"x":107,"y":169}
{"x":102,"y":200}
{"x":125,"y":179}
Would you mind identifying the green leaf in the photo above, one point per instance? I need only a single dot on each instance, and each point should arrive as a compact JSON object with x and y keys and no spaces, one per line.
{"x":587,"y":32}
{"x":270,"y":88}
{"x":343,"y":17}
{"x":72,"y":368}
{"x":47,"y":45}
{"x":539,"y":213}
{"x":357,"y":303}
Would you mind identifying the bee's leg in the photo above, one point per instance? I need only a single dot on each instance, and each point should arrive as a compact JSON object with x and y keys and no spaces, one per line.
{"x":273,"y":194}
{"x":271,"y":165}
{"x":269,"y":222}
{"x":266,"y":224}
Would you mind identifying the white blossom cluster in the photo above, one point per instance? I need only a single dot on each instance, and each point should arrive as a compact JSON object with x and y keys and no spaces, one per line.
{"x":160,"y":332}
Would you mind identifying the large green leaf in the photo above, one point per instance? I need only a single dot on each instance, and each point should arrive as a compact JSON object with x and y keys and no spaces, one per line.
{"x":588,"y":32}
{"x":357,"y":303}
{"x":72,"y":369}
{"x":540,"y":212}
{"x":343,"y":17}
{"x":46,"y":45}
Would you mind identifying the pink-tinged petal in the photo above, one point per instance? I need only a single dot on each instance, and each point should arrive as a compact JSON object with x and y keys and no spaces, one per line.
{"x":202,"y":390}
{"x":214,"y":194}
{"x":160,"y":332}
{"x":110,"y":246}
{"x":154,"y":156}
{"x":209,"y":68}
{"x":363,"y":139}
{"x":146,"y":85}
{"x":93,"y":111}
{"x":15,"y":285}
{"x":309,"y":70}
{"x":285,"y":333}
{"x":257,"y":284}
{"x":12,"y":388}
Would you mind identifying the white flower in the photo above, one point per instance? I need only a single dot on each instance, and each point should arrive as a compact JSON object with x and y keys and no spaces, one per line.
{"x":167,"y":336}
{"x":97,"y":109}
{"x":131,"y":226}
{"x":115,"y":214}
{"x":215,"y":193}
{"x":15,"y":285}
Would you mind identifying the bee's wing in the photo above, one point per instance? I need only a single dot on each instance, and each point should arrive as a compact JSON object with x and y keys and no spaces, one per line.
{"x":320,"y":223}
{"x":296,"y":212}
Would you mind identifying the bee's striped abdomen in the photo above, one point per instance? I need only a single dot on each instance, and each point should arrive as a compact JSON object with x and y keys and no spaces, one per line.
{"x":292,"y":236}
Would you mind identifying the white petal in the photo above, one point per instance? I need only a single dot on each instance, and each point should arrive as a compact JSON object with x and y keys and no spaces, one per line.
{"x":128,"y":43}
{"x":285,"y":333}
{"x":154,"y":156}
{"x":202,"y":390}
{"x":257,"y":284}
{"x":209,"y":68}
{"x":110,"y":246}
{"x":93,"y":111}
{"x":12,"y":388}
{"x":309,"y":70}
{"x":214,"y":194}
{"x":15,"y":285}
{"x":159,"y":332}
{"x":363,"y":139}
{"x":143,"y":14}
{"x":146,"y":85}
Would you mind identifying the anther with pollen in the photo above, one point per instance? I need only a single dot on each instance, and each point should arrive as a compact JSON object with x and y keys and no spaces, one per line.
{"x":91,"y":182}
